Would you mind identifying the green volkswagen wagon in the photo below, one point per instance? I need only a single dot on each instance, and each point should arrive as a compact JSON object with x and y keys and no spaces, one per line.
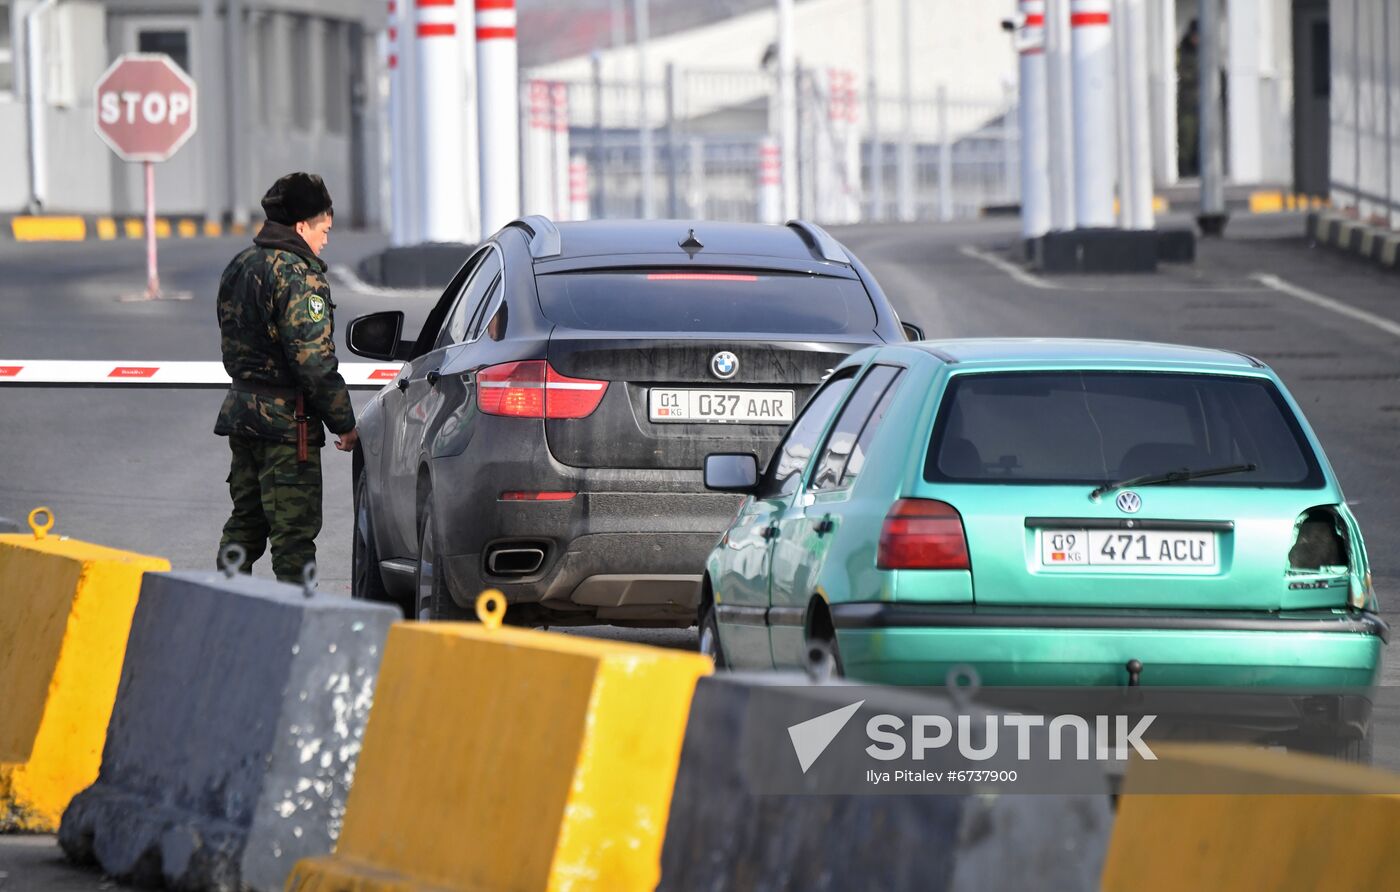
{"x":1052,"y":512}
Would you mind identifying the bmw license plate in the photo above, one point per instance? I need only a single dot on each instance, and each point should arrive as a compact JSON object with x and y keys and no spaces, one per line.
{"x":1119,"y":548}
{"x":720,"y":406}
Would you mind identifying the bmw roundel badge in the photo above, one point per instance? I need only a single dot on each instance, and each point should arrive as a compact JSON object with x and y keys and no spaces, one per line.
{"x":724,"y":364}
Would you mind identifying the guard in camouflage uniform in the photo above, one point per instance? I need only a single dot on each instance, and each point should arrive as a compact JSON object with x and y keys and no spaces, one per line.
{"x":277,"y":333}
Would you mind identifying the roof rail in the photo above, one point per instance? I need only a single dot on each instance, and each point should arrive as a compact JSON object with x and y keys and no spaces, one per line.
{"x":1252,"y":361}
{"x":544,"y":235}
{"x":828,"y":247}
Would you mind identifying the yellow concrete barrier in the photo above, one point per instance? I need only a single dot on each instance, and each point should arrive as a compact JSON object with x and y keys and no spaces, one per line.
{"x":49,"y":229}
{"x":65,"y":612}
{"x":1266,"y":202}
{"x":106,"y":229}
{"x":509,"y":759}
{"x":1333,"y":830}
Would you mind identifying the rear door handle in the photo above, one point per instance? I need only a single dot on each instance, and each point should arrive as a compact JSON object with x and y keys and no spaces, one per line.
{"x":823,"y":526}
{"x":769,"y":532}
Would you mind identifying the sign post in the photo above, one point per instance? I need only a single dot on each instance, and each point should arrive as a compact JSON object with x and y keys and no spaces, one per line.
{"x":146,"y":110}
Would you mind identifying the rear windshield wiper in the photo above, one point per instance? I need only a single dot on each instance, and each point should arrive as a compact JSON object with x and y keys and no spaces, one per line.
{"x":1171,"y":477}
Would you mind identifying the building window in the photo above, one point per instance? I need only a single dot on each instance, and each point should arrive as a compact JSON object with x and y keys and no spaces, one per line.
{"x":7,"y":51}
{"x":175,"y":44}
{"x":337,"y":78}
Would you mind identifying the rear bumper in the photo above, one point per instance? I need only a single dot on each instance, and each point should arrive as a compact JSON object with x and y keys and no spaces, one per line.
{"x":629,"y":545}
{"x":638,"y":576}
{"x":919,"y":643}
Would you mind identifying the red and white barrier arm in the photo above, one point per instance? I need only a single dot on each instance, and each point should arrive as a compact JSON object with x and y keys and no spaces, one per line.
{"x":159,"y":374}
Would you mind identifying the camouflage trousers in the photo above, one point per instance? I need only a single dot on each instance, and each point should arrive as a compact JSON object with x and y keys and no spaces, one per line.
{"x":277,"y":499}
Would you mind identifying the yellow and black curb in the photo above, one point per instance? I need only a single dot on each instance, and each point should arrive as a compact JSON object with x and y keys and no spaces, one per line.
{"x":1378,"y":244}
{"x":78,"y":228}
{"x":1275,"y":201}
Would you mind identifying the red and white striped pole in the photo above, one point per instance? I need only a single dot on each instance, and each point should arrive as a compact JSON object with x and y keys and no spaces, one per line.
{"x":559,"y":169}
{"x":770,"y":181}
{"x":578,"y":188}
{"x":539,"y":150}
{"x":1059,"y":104}
{"x":1138,"y":176}
{"x":850,"y":147}
{"x":440,"y":129}
{"x":398,"y":164}
{"x":1034,"y":115}
{"x":152,"y":270}
{"x":499,"y":113}
{"x":1095,"y":132}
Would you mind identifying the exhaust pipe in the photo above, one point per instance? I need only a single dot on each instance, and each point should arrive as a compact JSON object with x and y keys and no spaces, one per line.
{"x":521,"y":561}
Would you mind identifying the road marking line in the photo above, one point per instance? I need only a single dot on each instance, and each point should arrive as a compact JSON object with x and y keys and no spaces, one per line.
{"x":1007,"y":267}
{"x":1321,"y":300}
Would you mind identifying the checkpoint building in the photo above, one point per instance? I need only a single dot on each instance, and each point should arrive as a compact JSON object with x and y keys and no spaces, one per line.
{"x":283,"y":84}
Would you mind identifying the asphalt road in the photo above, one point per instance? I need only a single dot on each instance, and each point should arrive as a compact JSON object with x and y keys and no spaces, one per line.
{"x":143,"y":471}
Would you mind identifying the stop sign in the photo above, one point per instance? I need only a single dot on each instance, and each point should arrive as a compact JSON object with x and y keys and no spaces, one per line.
{"x":146,"y":107}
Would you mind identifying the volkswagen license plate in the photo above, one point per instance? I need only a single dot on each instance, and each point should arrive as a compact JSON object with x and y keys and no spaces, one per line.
{"x":1119,"y":548}
{"x":720,"y":406}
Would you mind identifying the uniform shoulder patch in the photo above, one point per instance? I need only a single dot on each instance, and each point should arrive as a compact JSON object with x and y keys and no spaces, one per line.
{"x":316,"y":307}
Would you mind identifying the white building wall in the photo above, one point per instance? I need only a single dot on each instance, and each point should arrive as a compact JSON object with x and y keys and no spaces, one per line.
{"x":281,"y":133}
{"x":1365,"y":106}
{"x":955,"y":43}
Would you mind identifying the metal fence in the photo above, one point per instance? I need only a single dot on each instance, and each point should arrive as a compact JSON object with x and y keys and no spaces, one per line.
{"x":705,"y":131}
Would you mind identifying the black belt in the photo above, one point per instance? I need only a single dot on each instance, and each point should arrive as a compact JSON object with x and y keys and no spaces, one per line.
{"x":262,"y":389}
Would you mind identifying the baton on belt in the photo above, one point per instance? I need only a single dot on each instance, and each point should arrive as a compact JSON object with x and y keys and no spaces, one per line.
{"x":301,"y":428}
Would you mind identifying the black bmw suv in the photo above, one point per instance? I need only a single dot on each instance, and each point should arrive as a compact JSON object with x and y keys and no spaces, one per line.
{"x":546,"y":433}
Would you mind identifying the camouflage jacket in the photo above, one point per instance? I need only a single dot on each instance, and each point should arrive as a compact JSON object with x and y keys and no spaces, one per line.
{"x":277,"y":330}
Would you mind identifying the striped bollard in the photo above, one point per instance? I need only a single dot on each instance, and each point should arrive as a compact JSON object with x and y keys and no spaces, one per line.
{"x":539,"y":150}
{"x":1095,"y":133}
{"x":1035,"y":145}
{"x":770,"y":181}
{"x":578,"y":188}
{"x":441,"y":145}
{"x":559,"y":143}
{"x":499,"y":129}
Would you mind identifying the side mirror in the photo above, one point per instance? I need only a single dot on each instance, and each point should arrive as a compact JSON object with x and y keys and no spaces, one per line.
{"x":731,"y":472}
{"x":376,"y":336}
{"x":911,"y":331}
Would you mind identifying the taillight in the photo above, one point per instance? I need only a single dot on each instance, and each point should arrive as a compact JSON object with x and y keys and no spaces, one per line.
{"x":923,"y":534}
{"x":533,"y":389}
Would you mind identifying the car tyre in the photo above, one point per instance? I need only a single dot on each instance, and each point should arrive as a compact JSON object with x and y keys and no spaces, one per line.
{"x":366,"y":582}
{"x":710,"y":644}
{"x":431,"y":598}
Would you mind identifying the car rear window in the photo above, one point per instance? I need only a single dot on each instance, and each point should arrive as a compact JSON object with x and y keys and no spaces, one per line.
{"x":1094,"y":427}
{"x":712,"y":301}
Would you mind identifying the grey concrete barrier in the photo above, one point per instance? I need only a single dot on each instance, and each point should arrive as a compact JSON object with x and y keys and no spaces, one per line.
{"x":234,"y":736}
{"x":746,"y":815}
{"x":10,"y":526}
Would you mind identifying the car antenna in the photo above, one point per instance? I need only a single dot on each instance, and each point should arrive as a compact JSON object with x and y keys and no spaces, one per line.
{"x":691,"y":244}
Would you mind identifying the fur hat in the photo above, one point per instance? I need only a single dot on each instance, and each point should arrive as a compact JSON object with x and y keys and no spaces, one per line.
{"x":297,"y":197}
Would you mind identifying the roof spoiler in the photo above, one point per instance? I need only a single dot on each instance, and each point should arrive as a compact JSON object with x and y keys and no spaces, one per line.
{"x":544,"y":235}
{"x":820,"y":241}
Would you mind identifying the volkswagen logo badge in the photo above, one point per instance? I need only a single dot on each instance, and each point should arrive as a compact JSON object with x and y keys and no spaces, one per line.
{"x":1129,"y":502}
{"x":724,"y":364}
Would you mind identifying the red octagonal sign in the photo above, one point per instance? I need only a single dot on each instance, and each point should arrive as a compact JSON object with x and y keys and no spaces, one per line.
{"x":146,"y":107}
